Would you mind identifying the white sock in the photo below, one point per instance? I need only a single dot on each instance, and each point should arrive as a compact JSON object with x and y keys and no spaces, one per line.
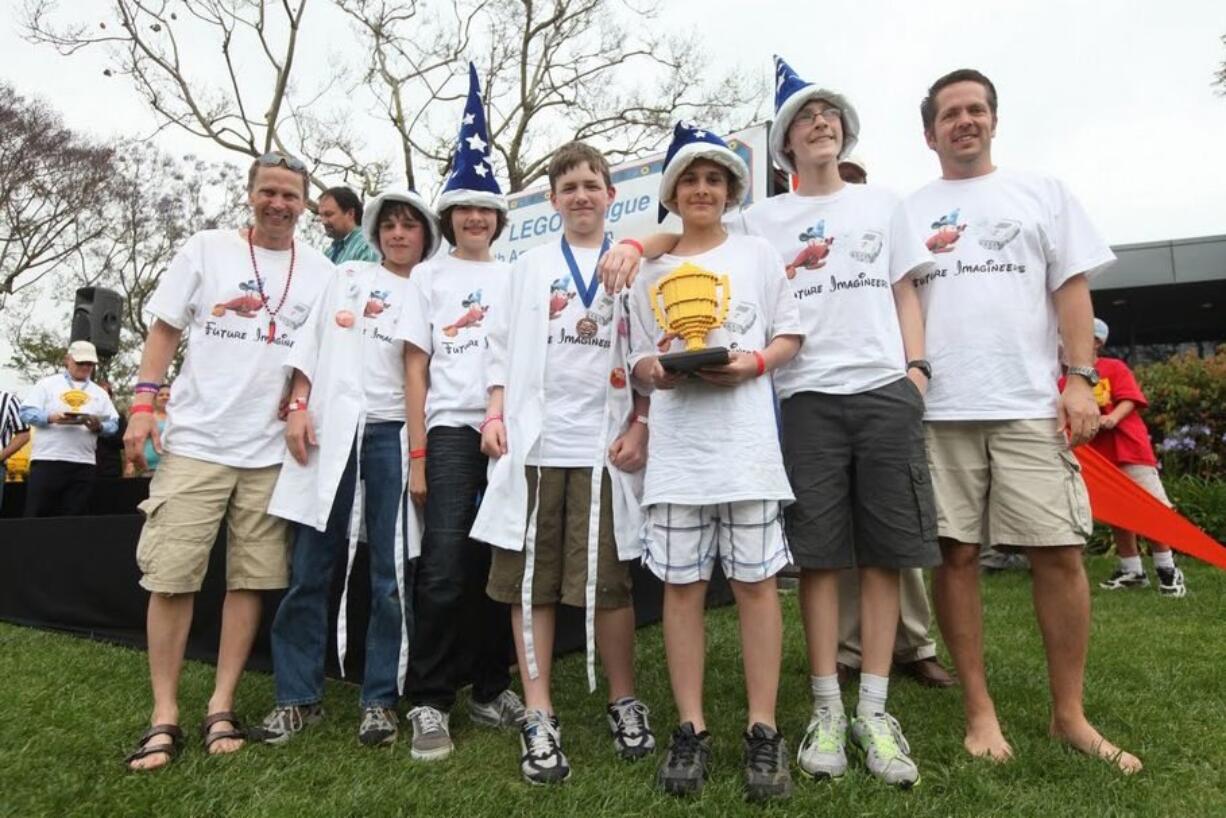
{"x":826,"y":692}
{"x":1133,"y":564}
{"x":873,"y":691}
{"x":1163,"y":559}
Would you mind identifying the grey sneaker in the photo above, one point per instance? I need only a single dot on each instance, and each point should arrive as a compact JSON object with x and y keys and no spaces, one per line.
{"x":1170,"y":583}
{"x":506,"y":710}
{"x":283,"y":723}
{"x":886,"y":751}
{"x":632,"y":736}
{"x":379,"y":726}
{"x":685,"y":766}
{"x":540,"y":740}
{"x":1122,"y":579}
{"x":766,"y":764}
{"x":431,"y":734}
{"x":822,"y":752}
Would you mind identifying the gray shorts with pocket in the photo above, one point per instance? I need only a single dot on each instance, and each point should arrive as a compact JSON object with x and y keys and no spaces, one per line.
{"x":859,"y":471}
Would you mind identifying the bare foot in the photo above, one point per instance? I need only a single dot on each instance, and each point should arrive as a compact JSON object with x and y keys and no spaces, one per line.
{"x":1085,"y":738}
{"x":984,"y":739}
{"x":158,"y":746}
{"x":155,"y":759}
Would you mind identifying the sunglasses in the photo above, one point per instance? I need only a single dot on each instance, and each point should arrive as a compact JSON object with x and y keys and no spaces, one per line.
{"x":274,"y":159}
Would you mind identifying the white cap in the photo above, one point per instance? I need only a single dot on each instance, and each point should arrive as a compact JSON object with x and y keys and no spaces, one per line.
{"x":1100,"y":330}
{"x":857,"y":160}
{"x":83,"y":352}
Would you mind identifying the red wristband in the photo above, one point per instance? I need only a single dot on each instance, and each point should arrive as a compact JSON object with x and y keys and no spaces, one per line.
{"x":761,"y":362}
{"x":138,"y":408}
{"x":417,"y":454}
{"x":487,"y":421}
{"x":633,"y":244}
{"x":296,"y":405}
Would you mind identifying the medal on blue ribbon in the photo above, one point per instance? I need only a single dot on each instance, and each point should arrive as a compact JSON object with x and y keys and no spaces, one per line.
{"x":588,"y":325}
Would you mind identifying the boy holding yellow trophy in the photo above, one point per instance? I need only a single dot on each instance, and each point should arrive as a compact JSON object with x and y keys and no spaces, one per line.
{"x":715,"y":483}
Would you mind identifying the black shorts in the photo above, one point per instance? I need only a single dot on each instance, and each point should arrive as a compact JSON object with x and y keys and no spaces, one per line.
{"x":860,"y":475}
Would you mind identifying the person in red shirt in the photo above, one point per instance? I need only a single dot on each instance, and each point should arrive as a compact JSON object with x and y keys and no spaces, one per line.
{"x":1123,"y":439}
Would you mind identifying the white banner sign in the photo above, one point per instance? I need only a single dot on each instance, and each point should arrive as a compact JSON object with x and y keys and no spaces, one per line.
{"x":531,"y":219}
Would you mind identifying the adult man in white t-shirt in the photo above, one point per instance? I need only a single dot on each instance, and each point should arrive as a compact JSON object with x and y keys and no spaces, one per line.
{"x":1015,"y":252}
{"x":70,"y":411}
{"x":242,"y":295}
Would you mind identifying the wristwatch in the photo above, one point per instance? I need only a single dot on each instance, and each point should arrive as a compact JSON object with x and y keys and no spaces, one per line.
{"x":922,"y":366}
{"x":1087,"y":372}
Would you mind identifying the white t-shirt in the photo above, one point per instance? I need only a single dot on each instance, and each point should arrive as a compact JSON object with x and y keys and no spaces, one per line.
{"x":717,"y":444}
{"x":60,"y":393}
{"x":847,"y":250}
{"x":382,"y":351}
{"x":1003,"y":243}
{"x":448,"y":318}
{"x":224,"y":405}
{"x":576,"y":358}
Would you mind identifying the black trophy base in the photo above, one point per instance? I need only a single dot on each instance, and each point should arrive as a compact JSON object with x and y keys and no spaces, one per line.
{"x":698,"y":359}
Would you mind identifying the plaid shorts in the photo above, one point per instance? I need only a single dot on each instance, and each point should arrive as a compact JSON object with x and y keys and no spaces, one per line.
{"x":681,"y":541}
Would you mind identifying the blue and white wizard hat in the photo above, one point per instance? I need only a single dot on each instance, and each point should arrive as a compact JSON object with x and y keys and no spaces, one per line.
{"x":791,"y":94}
{"x":472,"y":173}
{"x":691,"y":142}
{"x":373,"y":209}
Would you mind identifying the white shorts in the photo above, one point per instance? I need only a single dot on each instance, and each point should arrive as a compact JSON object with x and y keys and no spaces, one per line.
{"x":1147,"y":478}
{"x":683,"y":541}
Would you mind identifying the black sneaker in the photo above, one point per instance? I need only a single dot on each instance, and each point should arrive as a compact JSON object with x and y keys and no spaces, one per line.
{"x":283,"y":723}
{"x":1170,"y":582}
{"x":540,"y":739}
{"x":1122,"y":579}
{"x":632,"y":736}
{"x":766,"y":764}
{"x":685,"y":766}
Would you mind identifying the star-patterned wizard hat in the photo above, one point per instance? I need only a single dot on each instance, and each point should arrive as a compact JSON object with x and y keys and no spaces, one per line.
{"x":472,"y":174}
{"x":791,"y":94}
{"x":691,"y":142}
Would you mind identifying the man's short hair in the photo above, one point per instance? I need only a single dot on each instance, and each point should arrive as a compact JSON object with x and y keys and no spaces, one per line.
{"x":346,"y":200}
{"x":289,"y":163}
{"x":928,"y":108}
{"x":573,"y":154}
{"x":444,"y":223}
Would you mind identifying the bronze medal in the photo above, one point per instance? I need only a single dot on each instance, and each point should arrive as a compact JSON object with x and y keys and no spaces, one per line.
{"x":587,"y":328}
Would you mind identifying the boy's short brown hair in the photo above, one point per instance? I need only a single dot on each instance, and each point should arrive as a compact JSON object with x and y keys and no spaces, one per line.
{"x":573,"y":154}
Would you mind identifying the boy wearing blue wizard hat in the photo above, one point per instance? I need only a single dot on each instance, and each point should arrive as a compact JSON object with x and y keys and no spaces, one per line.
{"x":459,"y":632}
{"x":714,"y":484}
{"x":853,"y":394}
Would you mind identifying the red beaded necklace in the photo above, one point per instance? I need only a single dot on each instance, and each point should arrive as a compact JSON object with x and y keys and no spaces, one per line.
{"x":259,"y":282}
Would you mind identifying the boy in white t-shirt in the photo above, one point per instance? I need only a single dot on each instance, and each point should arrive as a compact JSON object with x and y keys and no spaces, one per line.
{"x":715,"y":483}
{"x":460,"y":634}
{"x":571,"y":439}
{"x":1015,"y":254}
{"x":241,"y":296}
{"x":345,"y":427}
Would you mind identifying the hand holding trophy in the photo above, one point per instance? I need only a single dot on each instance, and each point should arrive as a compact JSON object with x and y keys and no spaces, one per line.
{"x":695,"y":301}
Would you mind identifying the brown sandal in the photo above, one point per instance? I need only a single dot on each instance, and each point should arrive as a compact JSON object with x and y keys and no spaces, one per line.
{"x":236,"y":730}
{"x":143,"y":749}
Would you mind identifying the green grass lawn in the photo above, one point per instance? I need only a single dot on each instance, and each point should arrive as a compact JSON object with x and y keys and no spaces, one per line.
{"x":70,"y":709}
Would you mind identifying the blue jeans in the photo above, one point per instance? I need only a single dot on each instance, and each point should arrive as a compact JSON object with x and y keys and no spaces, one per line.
{"x":460,"y":635}
{"x":300,"y":629}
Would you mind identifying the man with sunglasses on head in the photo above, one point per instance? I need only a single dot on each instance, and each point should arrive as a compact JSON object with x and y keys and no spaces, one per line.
{"x":70,"y":411}
{"x":241,"y":296}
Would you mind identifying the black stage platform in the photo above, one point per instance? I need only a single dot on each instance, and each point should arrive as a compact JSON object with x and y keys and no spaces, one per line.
{"x":79,"y":575}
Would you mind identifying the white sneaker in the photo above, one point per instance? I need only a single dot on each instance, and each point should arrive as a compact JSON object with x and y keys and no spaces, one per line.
{"x":822,"y":752}
{"x":506,"y":710}
{"x":540,"y":740}
{"x":1170,"y":583}
{"x":886,"y":751}
{"x":632,"y":736}
{"x":431,"y":734}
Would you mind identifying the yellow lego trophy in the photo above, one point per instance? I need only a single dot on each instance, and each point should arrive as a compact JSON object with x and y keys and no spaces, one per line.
{"x":695,"y":301}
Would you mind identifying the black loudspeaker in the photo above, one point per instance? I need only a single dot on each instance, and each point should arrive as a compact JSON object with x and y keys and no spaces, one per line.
{"x":96,"y":318}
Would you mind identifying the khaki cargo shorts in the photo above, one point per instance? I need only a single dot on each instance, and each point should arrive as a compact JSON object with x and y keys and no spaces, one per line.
{"x":188,"y":499}
{"x":1018,"y":474}
{"x":560,"y":555}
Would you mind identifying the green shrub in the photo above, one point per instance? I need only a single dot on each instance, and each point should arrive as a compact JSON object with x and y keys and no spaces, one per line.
{"x":1201,"y":501}
{"x":1187,"y":413}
